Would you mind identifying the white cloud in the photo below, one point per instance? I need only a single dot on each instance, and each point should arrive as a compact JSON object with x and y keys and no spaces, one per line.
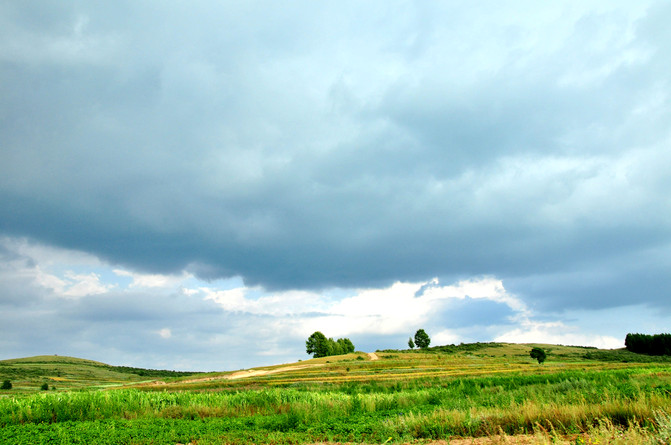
{"x":153,"y":280}
{"x":405,"y":306}
{"x":71,"y":285}
{"x":556,"y":332}
{"x":232,"y":299}
{"x":47,"y":280}
{"x":445,"y":337}
{"x":396,"y":309}
{"x":36,"y":262}
{"x":81,"y":285}
{"x":165,"y":333}
{"x":255,"y":301}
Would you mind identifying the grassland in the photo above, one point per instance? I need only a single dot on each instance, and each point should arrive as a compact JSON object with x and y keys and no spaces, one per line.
{"x":68,"y":373}
{"x":482,"y":390}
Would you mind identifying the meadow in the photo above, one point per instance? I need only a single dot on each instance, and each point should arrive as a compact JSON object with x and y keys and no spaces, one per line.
{"x":579,"y":395}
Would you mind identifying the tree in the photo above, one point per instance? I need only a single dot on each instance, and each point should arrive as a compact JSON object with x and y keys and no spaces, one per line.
{"x":346,"y":345}
{"x":335,"y":347}
{"x":320,"y":346}
{"x":45,"y":387}
{"x":658,"y":344}
{"x":317,"y":345}
{"x":422,"y":339}
{"x":6,"y":385}
{"x":538,"y":354}
{"x":411,"y":344}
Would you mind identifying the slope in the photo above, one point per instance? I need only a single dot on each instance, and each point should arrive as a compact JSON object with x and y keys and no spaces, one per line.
{"x":66,"y":373}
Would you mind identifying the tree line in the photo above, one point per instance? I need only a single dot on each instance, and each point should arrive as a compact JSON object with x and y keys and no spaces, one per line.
{"x":658,"y":344}
{"x":320,"y":346}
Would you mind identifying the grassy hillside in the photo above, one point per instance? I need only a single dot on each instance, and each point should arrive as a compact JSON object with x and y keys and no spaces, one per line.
{"x":399,"y":367}
{"x":68,"y":373}
{"x":579,"y":395}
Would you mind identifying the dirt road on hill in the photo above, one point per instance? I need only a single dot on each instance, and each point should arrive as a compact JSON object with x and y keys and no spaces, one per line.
{"x":256,"y":372}
{"x":252,"y":373}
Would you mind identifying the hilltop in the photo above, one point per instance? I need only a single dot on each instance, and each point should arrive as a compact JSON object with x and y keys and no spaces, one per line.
{"x":66,"y":373}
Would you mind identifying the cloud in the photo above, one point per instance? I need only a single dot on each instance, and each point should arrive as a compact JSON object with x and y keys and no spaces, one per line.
{"x":223,"y":325}
{"x":152,"y":280}
{"x":372,"y":146}
{"x":81,"y":285}
{"x":557,"y":333}
{"x":393,"y":310}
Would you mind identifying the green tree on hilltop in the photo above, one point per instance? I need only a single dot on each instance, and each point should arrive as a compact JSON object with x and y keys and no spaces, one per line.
{"x":422,"y":339}
{"x":317,"y":345}
{"x":346,"y":345}
{"x":320,"y":346}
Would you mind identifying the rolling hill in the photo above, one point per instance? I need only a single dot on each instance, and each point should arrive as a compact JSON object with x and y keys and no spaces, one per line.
{"x":67,"y":373}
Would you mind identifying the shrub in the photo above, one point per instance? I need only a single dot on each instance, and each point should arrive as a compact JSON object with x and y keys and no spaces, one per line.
{"x":6,"y":385}
{"x":538,"y":354}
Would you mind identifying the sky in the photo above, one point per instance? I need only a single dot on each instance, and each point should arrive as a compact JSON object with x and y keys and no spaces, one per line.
{"x":201,"y":185}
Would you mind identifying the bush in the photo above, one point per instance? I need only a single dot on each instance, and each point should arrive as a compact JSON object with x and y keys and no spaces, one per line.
{"x":44,"y":387}
{"x":6,"y":385}
{"x":538,"y":354}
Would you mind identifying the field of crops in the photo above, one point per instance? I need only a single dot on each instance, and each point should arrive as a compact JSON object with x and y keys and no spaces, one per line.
{"x":579,"y":395}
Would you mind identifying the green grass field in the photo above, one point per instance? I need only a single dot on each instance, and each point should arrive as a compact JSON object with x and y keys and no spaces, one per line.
{"x":579,"y":395}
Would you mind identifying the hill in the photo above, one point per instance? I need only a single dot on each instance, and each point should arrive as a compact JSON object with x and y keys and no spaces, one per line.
{"x":66,"y":373}
{"x":394,"y":366}
{"x":578,"y":395}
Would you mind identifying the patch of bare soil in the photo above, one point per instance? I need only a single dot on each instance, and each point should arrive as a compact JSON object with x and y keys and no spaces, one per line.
{"x":252,"y":373}
{"x":257,"y":372}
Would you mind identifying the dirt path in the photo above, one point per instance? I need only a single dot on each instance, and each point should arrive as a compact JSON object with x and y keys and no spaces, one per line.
{"x":256,"y":372}
{"x":252,"y":373}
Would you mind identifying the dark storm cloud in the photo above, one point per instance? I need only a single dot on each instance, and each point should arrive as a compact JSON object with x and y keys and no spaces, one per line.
{"x":315,"y":147}
{"x":631,"y":278}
